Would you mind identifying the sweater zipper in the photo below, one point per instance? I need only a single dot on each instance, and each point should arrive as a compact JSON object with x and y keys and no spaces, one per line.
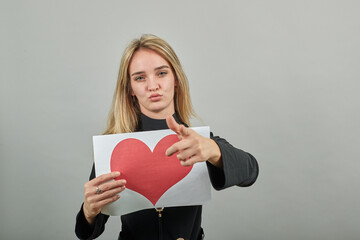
{"x":159,"y":211}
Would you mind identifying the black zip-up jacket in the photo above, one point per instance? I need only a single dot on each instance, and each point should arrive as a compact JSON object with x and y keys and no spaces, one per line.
{"x":239,"y":168}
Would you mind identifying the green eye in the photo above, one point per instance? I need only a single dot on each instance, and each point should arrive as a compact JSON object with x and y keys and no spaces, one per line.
{"x":162,"y":73}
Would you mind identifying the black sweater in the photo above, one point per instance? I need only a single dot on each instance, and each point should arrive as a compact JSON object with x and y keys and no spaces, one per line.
{"x":239,"y":168}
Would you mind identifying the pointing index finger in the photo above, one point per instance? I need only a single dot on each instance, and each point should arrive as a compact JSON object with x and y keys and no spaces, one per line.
{"x":171,"y":150}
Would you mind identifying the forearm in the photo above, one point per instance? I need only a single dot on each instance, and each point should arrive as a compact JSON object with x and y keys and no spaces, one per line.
{"x":215,"y":155}
{"x":238,"y":167}
{"x":84,"y":230}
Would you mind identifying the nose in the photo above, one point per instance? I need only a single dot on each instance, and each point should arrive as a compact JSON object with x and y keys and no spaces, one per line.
{"x":153,"y":84}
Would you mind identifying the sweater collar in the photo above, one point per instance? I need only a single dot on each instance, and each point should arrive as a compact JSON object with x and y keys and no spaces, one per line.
{"x":148,"y":124}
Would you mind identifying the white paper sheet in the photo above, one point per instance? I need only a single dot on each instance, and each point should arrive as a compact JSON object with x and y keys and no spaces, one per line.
{"x":193,"y":189}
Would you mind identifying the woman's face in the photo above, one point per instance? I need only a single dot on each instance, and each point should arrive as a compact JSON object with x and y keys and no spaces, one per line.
{"x":153,"y":83}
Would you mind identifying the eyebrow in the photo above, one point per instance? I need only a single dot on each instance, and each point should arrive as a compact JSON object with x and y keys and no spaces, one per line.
{"x":157,"y":68}
{"x":161,"y":67}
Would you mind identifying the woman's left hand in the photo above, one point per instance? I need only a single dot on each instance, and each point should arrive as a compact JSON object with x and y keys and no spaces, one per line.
{"x":192,"y":147}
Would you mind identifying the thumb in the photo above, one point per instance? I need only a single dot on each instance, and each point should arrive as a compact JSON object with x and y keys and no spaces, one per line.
{"x":184,"y":131}
{"x":173,"y":125}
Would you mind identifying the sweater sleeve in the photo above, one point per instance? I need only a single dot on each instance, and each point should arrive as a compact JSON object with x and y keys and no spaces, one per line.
{"x":239,"y":168}
{"x":83,"y":229}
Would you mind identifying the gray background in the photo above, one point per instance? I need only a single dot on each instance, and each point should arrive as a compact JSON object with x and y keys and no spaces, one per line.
{"x":279,"y":79}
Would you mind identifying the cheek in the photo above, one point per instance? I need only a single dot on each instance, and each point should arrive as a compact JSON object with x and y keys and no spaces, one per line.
{"x":171,"y":85}
{"x":135,"y":90}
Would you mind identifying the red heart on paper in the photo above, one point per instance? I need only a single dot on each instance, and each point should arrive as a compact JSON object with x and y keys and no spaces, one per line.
{"x":149,"y":173}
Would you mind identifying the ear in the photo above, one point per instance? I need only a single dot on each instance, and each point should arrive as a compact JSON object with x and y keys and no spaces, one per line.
{"x":131,"y":91}
{"x":176,"y":83}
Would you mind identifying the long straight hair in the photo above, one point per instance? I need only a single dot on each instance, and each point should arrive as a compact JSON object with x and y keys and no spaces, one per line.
{"x":125,"y":110}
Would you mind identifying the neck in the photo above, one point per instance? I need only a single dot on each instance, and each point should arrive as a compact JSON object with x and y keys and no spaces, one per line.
{"x":158,"y":115}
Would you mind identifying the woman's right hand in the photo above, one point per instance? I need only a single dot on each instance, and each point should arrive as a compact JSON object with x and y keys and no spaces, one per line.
{"x":99,"y":192}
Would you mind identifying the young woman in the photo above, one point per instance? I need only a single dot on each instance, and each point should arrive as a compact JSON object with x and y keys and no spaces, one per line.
{"x":151,"y":94}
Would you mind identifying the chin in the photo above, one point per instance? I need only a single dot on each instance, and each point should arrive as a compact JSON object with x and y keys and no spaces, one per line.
{"x":158,"y":108}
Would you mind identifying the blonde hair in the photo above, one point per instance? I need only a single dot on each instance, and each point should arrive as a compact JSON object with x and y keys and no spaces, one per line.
{"x":125,"y":110}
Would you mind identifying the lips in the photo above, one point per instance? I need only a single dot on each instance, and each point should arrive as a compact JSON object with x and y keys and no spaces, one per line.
{"x":155,"y":97}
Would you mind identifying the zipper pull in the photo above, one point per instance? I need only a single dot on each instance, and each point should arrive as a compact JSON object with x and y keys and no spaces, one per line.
{"x":159,"y":210}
